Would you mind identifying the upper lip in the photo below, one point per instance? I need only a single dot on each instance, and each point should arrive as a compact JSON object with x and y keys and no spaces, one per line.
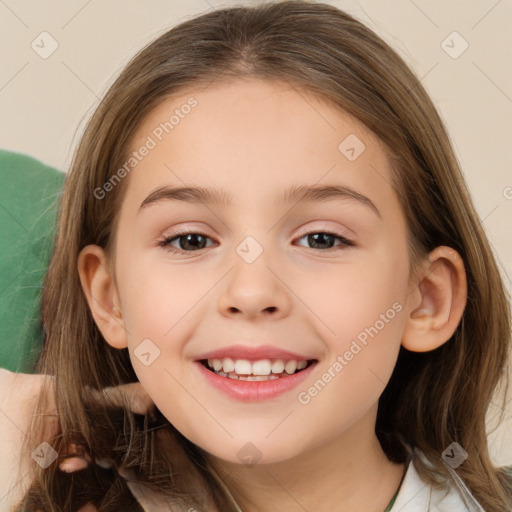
{"x":252,"y":353}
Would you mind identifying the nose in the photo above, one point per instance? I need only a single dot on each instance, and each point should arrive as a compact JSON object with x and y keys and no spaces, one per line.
{"x":254,"y":290}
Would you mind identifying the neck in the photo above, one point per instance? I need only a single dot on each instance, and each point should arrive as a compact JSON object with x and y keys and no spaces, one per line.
{"x":348,"y":473}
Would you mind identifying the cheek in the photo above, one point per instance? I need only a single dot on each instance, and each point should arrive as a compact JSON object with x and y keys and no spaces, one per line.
{"x":157,"y":298}
{"x":370,"y":291}
{"x":160,"y":305}
{"x":362,"y":319}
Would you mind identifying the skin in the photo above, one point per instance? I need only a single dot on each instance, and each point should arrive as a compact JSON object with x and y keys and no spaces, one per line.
{"x":254,"y":139}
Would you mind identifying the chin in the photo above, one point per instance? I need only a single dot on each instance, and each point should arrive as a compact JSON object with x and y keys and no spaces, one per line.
{"x":249,"y":453}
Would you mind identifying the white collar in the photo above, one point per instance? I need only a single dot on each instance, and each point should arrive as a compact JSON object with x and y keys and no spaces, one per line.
{"x":414,"y":496}
{"x":418,"y":496}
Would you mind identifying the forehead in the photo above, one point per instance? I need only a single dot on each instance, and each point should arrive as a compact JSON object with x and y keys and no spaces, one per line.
{"x":253,"y":138}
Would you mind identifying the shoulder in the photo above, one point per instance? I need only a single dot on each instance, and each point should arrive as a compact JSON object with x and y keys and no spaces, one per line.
{"x":16,"y":386}
{"x":18,"y":398}
{"x":417,"y":494}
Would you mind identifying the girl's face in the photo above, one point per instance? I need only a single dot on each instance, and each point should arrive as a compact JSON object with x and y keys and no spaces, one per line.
{"x":324,"y":279}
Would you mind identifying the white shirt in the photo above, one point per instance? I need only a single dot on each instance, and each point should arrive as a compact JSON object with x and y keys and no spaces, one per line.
{"x":17,"y":400}
{"x":414,"y":496}
{"x":417,"y":496}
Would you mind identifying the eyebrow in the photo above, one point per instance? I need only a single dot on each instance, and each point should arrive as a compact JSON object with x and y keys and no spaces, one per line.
{"x":294,"y":194}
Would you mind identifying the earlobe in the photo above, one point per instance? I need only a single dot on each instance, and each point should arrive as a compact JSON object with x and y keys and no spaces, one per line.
{"x":436,"y":305}
{"x":101,"y":294}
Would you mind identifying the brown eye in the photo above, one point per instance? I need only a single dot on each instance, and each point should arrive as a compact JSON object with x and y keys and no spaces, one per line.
{"x":319,"y":240}
{"x":187,"y":242}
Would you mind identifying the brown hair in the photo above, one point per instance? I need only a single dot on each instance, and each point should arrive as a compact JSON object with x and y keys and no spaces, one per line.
{"x":432,"y":398}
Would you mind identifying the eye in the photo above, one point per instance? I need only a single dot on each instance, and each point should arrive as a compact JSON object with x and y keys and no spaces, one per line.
{"x":319,"y":239}
{"x":189,"y":241}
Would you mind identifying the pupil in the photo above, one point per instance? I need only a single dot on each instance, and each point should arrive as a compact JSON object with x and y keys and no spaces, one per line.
{"x":191,"y":237}
{"x":197,"y":241}
{"x":313,"y":239}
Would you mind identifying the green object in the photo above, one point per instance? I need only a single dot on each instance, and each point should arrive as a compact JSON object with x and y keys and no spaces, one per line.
{"x":29,"y":195}
{"x":390,"y":506}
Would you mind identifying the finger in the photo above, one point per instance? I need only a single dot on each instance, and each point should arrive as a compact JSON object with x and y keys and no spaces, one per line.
{"x":89,"y":507}
{"x":132,"y":394}
{"x":73,"y":464}
{"x":78,"y":459}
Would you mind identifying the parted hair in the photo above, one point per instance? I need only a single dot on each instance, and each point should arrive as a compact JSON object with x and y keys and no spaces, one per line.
{"x":432,"y":399}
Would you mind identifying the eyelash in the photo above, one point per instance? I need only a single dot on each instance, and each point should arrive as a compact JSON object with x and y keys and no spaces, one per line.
{"x":165,"y":242}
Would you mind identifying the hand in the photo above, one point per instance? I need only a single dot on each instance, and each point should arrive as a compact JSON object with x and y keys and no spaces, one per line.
{"x":18,"y":396}
{"x":188,"y":476}
{"x":140,"y":403}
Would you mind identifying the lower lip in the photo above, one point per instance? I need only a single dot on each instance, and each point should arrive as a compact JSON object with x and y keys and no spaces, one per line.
{"x":255,"y":391}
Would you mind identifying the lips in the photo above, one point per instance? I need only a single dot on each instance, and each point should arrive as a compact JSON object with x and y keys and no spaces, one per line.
{"x":253,"y":353}
{"x":254,"y":391}
{"x":254,"y":373}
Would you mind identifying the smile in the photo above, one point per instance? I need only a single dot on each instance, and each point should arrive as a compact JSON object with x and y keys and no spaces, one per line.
{"x":261,"y":370}
{"x":254,"y":381}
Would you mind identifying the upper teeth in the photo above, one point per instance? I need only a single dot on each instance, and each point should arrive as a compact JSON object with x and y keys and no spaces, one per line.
{"x":260,"y":367}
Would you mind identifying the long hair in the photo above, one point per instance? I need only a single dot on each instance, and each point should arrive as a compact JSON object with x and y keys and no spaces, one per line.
{"x":432,"y":399}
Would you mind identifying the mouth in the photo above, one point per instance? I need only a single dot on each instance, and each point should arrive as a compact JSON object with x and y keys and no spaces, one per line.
{"x":256,"y":371}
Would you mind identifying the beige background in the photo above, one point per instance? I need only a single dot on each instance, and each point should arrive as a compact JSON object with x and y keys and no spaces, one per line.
{"x":45,"y":101}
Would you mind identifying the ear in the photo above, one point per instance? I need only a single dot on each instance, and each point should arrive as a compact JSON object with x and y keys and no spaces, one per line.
{"x":100,"y":290}
{"x":437,"y":302}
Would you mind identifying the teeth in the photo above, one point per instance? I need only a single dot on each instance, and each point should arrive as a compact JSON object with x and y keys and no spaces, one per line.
{"x":263,"y":369}
{"x":228,"y":365}
{"x":278,"y":366}
{"x":243,"y":367}
{"x":290,"y":367}
{"x":233,"y":375}
{"x":216,"y":364}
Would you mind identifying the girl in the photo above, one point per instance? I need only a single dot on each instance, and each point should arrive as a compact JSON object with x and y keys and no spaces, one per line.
{"x":265,"y":225}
